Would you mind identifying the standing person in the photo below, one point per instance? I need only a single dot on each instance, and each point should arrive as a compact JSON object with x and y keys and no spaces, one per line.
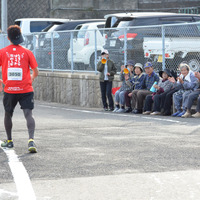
{"x":138,"y":96}
{"x":16,"y":62}
{"x":125,"y":75}
{"x":136,"y":82}
{"x":107,"y":70}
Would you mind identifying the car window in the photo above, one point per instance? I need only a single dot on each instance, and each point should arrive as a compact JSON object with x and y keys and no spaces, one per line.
{"x":18,"y":23}
{"x":82,"y":31}
{"x":145,"y":21}
{"x":175,"y":20}
{"x":38,"y":26}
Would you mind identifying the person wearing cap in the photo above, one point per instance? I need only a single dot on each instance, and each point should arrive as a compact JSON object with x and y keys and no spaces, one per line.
{"x":107,"y":70}
{"x":138,"y":96}
{"x":187,"y":82}
{"x":125,"y":75}
{"x":164,"y":85}
{"x":135,"y":81}
{"x":16,"y":62}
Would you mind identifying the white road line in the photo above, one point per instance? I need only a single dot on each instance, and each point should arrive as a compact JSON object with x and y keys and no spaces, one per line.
{"x":20,"y":175}
{"x":110,"y":113}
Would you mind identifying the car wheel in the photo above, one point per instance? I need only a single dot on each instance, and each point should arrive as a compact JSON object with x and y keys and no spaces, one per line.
{"x":92,"y":60}
{"x":194,"y":64}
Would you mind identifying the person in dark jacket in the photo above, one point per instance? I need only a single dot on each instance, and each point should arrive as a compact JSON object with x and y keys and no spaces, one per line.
{"x":107,"y":70}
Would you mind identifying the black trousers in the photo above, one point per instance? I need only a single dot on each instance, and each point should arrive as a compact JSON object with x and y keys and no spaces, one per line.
{"x":106,"y":92}
{"x":157,"y":100}
{"x":167,"y":100}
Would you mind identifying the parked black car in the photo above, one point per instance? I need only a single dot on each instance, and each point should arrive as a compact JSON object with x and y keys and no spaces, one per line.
{"x":136,"y":22}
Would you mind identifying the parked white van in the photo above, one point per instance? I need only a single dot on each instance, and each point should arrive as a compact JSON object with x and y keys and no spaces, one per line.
{"x":84,"y":43}
{"x":30,"y":25}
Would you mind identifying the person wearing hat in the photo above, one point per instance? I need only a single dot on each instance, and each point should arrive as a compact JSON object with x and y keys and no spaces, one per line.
{"x":164,"y":85}
{"x":16,"y":62}
{"x":107,"y":70}
{"x":138,"y":96}
{"x":135,"y":81}
{"x":125,"y":75}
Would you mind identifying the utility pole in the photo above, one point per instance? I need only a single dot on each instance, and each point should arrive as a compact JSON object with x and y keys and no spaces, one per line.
{"x":4,"y":16}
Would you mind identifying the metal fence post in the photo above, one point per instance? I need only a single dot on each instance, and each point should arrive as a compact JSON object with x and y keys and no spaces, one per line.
{"x":125,"y":46}
{"x":71,"y":46}
{"x":52,"y":52}
{"x":163,"y":47}
{"x":34,"y":45}
{"x":95,"y":52}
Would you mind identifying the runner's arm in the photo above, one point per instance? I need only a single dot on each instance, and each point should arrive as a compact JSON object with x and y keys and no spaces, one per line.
{"x":34,"y":74}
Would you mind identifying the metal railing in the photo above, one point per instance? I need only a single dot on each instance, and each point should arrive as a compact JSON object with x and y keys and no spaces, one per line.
{"x":166,"y":46}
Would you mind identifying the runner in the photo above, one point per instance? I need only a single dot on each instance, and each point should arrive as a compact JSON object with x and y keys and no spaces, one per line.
{"x":16,"y":62}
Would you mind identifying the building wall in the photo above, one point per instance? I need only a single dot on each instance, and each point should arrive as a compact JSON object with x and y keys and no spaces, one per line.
{"x":79,"y":9}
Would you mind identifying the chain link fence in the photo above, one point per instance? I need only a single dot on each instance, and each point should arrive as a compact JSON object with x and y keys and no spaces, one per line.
{"x":166,"y":46}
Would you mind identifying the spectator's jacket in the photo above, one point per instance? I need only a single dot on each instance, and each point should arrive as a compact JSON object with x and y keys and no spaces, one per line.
{"x":165,"y":86}
{"x":125,"y":85}
{"x":111,"y":69}
{"x":149,"y":81}
{"x":136,"y":81}
{"x":190,"y":82}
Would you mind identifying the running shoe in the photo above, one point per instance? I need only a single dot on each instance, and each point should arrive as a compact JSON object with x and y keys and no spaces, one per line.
{"x":31,"y":146}
{"x":8,"y":144}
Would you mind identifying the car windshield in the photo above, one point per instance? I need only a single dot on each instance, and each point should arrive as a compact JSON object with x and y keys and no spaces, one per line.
{"x":121,"y":25}
{"x":53,"y":27}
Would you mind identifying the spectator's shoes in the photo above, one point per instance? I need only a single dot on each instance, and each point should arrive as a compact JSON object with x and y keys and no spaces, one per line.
{"x":196,"y":115}
{"x":137,"y":111}
{"x":105,"y":109}
{"x":31,"y":146}
{"x":176,"y":113}
{"x":128,"y":110}
{"x":111,"y":109}
{"x":8,"y":144}
{"x":181,"y":114}
{"x":146,"y":113}
{"x":116,"y":109}
{"x":121,"y":110}
{"x":156,"y":113}
{"x":166,"y":114}
{"x":186,"y":115}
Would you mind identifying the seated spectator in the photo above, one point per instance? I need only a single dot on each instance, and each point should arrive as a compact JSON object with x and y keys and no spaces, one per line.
{"x":126,"y":71}
{"x":164,"y":85}
{"x":136,"y":82}
{"x":186,"y":83}
{"x":138,"y":96}
{"x":192,"y":97}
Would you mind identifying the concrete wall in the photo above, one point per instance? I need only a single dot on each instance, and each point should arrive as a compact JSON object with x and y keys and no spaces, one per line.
{"x":79,"y":9}
{"x":79,"y":89}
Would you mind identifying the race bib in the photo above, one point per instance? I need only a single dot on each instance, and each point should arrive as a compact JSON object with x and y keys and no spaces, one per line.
{"x":14,"y":74}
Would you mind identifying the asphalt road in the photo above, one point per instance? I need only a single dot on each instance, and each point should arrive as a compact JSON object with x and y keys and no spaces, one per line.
{"x":88,"y":154}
